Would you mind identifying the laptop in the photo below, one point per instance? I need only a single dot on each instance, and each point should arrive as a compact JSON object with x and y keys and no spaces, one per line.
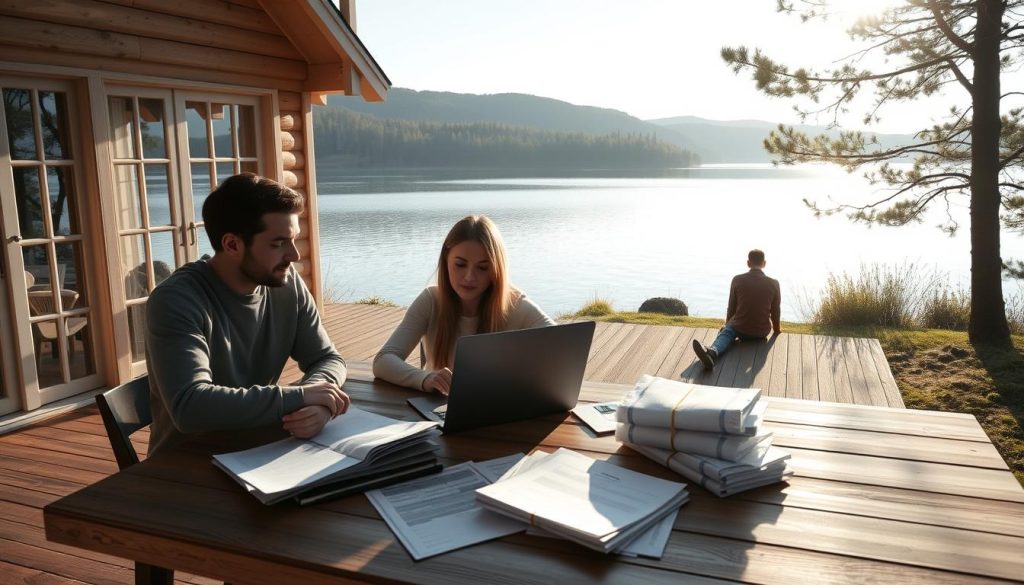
{"x":511,"y":376}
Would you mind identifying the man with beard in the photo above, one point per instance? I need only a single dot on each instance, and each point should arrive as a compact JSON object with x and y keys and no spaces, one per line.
{"x":220,"y":330}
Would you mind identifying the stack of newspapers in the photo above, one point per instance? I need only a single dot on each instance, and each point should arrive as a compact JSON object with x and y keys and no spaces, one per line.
{"x":354,"y":452}
{"x":594,"y":503}
{"x":709,"y":434}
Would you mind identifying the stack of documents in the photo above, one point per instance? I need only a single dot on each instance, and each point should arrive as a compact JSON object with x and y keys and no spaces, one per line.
{"x":594,"y":503}
{"x":709,"y":434}
{"x":355,"y":451}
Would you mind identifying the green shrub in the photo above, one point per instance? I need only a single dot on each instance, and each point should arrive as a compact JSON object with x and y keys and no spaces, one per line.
{"x":1015,"y":314}
{"x":595,"y":308}
{"x":947,"y":310}
{"x":879,"y":296}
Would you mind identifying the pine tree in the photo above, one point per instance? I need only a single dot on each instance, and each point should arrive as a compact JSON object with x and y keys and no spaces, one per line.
{"x":928,"y":46}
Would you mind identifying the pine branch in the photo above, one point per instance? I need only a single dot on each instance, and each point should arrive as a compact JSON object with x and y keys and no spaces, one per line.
{"x":940,"y":22}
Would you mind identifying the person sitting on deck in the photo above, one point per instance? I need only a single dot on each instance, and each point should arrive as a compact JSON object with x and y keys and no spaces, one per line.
{"x":753,"y":313}
{"x":220,"y":330}
{"x":472,"y":295}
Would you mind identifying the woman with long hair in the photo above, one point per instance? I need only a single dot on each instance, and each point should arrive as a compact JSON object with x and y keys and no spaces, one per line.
{"x":472,"y":295}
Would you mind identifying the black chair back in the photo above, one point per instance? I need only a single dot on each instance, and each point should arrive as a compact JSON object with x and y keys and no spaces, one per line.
{"x":125,"y":409}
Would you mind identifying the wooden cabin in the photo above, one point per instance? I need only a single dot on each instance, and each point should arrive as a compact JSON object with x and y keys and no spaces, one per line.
{"x":119,"y":118}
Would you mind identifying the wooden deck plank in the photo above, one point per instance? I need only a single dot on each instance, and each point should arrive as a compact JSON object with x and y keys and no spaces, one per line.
{"x":670,"y":367}
{"x":876,"y":392}
{"x":762,"y":368}
{"x":685,"y":356}
{"x":833,"y":356}
{"x":810,"y":386}
{"x":889,"y":387}
{"x":858,"y":380}
{"x":794,"y":368}
{"x":693,"y":370}
{"x":780,"y":367}
{"x":824,"y":370}
{"x":619,"y":357}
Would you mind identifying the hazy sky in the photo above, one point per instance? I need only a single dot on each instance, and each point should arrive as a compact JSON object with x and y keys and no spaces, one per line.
{"x":649,"y":58}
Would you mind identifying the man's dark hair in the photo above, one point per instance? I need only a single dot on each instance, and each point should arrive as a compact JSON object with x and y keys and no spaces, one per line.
{"x":237,"y":206}
{"x":755,"y":257}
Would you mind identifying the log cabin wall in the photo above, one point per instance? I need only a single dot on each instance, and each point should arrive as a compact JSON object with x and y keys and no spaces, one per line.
{"x":199,"y":44}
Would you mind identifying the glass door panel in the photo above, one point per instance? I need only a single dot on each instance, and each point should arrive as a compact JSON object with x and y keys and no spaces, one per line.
{"x":222,"y":141}
{"x":151,"y":226}
{"x":46,"y":241}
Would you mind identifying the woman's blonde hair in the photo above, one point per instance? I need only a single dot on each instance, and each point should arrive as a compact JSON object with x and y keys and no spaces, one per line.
{"x":496,"y":300}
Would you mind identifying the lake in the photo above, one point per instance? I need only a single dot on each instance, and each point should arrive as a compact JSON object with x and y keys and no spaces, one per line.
{"x":625,"y":237}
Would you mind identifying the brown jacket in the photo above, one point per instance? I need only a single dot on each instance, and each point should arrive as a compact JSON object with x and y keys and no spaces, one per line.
{"x":754,"y":304}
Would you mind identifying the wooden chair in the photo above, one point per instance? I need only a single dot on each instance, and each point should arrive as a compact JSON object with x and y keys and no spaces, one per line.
{"x":125,"y":409}
{"x":40,"y":302}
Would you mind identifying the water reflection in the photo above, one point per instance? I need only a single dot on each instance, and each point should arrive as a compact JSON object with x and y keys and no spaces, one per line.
{"x":571,"y":236}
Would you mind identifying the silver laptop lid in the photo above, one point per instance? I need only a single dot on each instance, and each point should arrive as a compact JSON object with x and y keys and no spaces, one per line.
{"x":517,"y":375}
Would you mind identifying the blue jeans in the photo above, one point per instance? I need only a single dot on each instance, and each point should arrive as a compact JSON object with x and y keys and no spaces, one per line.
{"x":726,"y":336}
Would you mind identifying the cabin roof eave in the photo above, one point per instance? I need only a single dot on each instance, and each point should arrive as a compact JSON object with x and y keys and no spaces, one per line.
{"x":338,"y":60}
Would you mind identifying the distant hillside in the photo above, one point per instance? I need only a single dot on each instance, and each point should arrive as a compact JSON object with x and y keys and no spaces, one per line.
{"x":514,"y":109}
{"x":741,"y":141}
{"x":359,"y":140}
{"x":713,"y":141}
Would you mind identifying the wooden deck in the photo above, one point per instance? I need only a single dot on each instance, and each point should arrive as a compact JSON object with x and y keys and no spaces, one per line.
{"x":43,"y":462}
{"x":814,"y":367}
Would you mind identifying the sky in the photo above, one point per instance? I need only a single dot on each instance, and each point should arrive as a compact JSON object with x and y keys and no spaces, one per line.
{"x":648,"y":58}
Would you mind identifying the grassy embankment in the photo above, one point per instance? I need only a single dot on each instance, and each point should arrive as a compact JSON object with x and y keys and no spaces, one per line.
{"x":936,"y":367}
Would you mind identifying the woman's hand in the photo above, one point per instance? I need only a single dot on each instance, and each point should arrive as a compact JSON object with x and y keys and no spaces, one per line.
{"x":439,"y":380}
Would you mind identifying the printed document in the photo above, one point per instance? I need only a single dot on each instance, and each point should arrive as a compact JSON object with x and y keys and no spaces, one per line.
{"x":439,"y":513}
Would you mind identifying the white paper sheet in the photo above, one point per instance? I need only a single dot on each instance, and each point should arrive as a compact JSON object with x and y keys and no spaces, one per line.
{"x":439,"y":513}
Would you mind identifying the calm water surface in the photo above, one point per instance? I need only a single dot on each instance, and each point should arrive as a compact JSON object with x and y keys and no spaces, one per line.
{"x":682,"y":233}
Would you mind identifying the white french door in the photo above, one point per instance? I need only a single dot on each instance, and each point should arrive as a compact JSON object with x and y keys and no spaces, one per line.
{"x":48,"y":285}
{"x":169,"y":149}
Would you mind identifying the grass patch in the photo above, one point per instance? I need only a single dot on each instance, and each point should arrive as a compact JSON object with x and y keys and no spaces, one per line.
{"x":595,"y":308}
{"x":935,"y":369}
{"x":376,"y":300}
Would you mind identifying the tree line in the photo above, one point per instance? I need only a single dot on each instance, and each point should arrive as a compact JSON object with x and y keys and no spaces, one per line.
{"x":370,"y":141}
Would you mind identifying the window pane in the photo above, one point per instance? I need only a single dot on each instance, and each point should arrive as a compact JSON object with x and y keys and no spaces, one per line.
{"x":137,"y":331}
{"x":225,"y":170}
{"x":47,"y":349}
{"x":37,"y":268}
{"x":71,"y":269}
{"x":80,"y":347}
{"x":205,"y":247}
{"x":126,"y":184}
{"x":29,"y":203}
{"x":249,"y":166}
{"x":133,"y":267}
{"x":122,"y":126}
{"x":162,"y":244}
{"x":151,"y":123}
{"x":246,"y":128}
{"x":53,"y":108}
{"x":202,"y":179}
{"x":195,"y":121}
{"x":21,"y":135}
{"x":222,"y":142}
{"x":63,"y":204}
{"x":157,"y":194}
{"x":202,"y":185}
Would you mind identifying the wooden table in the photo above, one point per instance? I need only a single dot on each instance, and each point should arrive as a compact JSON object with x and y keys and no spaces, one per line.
{"x":880,"y":495}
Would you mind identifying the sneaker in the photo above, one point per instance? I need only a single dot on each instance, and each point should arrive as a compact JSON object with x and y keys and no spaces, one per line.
{"x":705,"y":355}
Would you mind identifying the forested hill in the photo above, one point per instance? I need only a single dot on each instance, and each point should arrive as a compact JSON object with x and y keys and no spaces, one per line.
{"x":363,"y":140}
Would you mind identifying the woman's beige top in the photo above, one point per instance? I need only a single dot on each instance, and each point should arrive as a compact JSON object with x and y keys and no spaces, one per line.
{"x":420,"y":323}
